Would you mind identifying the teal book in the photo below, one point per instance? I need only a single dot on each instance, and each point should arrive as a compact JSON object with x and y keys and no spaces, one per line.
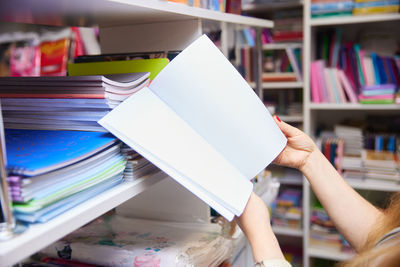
{"x":34,"y":152}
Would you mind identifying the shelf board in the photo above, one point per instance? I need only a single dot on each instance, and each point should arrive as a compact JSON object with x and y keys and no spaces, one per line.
{"x":39,"y":236}
{"x":328,"y":253}
{"x":354,"y":19}
{"x":276,"y":46}
{"x":350,"y":106}
{"x":291,"y":180}
{"x":278,"y":85}
{"x":105,"y":13}
{"x":282,"y":85}
{"x":369,"y":184}
{"x":253,"y":8}
{"x":288,"y":118}
{"x":279,"y":230}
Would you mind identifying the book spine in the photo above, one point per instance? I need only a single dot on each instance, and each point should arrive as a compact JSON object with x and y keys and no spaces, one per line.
{"x":348,"y":88}
{"x":335,"y":56}
{"x":358,"y":64}
{"x":376,"y":70}
{"x":333,"y":86}
{"x":329,"y":86}
{"x":293,"y":63}
{"x":315,"y":89}
{"x":322,"y":82}
{"x":339,"y":85}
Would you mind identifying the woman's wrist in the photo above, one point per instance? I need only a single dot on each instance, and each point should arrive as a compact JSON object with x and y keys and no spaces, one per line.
{"x":255,"y":224}
{"x":311,"y":162}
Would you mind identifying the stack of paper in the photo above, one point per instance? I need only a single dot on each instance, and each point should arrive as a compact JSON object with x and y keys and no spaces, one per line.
{"x":136,"y":165}
{"x":65,"y":103}
{"x":122,"y":242}
{"x":201,"y":123}
{"x":382,"y":165}
{"x":353,"y":139}
{"x":53,"y":171}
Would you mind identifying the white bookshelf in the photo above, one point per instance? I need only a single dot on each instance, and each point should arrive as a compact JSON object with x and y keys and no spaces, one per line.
{"x":39,"y":236}
{"x":283,"y":85}
{"x":290,"y":180}
{"x":279,"y":85}
{"x":374,"y":185}
{"x":354,"y":19}
{"x":279,"y":230}
{"x":328,"y":253}
{"x":274,"y":46}
{"x":291,"y":118}
{"x":253,"y":8}
{"x":118,"y":20}
{"x":355,"y":106}
{"x":315,"y":113}
{"x":107,"y":13}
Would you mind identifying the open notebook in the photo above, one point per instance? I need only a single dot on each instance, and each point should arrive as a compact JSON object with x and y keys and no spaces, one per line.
{"x":201,"y":123}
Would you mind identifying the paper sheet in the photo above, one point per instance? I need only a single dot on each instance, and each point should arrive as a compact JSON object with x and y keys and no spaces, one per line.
{"x":202,"y":124}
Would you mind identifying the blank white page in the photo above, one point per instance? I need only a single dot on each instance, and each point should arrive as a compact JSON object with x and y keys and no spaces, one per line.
{"x":149,"y":126}
{"x":207,"y":92}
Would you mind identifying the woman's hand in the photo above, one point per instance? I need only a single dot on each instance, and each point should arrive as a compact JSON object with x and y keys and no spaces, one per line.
{"x":298,"y":149}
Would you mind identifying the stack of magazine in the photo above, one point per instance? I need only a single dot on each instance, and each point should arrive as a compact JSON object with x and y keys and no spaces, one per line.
{"x":65,"y":103}
{"x":119,"y":241}
{"x":53,"y":171}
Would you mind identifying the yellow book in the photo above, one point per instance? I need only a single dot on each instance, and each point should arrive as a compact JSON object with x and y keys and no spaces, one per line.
{"x":154,"y":66}
{"x":376,"y":10}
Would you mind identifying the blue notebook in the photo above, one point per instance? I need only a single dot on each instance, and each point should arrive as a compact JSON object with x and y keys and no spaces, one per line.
{"x":34,"y":152}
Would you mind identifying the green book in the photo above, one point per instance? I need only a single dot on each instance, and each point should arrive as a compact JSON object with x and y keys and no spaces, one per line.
{"x":333,"y":14}
{"x":154,"y":66}
{"x":377,"y":101}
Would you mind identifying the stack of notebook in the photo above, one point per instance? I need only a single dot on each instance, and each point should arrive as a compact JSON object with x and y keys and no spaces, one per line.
{"x":136,"y":165}
{"x":65,"y":103}
{"x":53,"y":171}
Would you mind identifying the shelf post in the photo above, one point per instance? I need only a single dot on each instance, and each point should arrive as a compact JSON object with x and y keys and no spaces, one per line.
{"x":7,"y":222}
{"x":258,"y":67}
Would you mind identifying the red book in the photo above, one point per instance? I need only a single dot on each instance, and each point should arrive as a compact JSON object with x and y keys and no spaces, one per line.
{"x":234,"y":6}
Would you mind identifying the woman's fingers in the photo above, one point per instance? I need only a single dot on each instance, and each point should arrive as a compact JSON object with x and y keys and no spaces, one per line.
{"x":287,"y":129}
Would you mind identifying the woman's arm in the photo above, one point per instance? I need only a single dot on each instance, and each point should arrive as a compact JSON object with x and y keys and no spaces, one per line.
{"x":353,"y":216}
{"x":255,"y":224}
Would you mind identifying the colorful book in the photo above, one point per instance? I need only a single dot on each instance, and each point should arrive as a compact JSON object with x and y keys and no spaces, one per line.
{"x":338,"y":85}
{"x":325,"y":95}
{"x":315,"y":88}
{"x":350,"y":92}
{"x":331,"y":85}
{"x":294,"y":63}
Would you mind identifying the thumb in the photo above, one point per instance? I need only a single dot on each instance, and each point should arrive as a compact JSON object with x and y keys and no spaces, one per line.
{"x":287,"y":129}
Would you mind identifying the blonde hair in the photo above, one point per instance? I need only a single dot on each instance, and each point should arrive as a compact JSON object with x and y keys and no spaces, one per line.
{"x":385,"y":255}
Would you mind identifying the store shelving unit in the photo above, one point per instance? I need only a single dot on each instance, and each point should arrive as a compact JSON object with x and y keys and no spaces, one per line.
{"x":329,"y":254}
{"x":287,"y":231}
{"x":354,"y":19}
{"x":312,"y":116}
{"x":255,"y":8}
{"x":145,"y":20}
